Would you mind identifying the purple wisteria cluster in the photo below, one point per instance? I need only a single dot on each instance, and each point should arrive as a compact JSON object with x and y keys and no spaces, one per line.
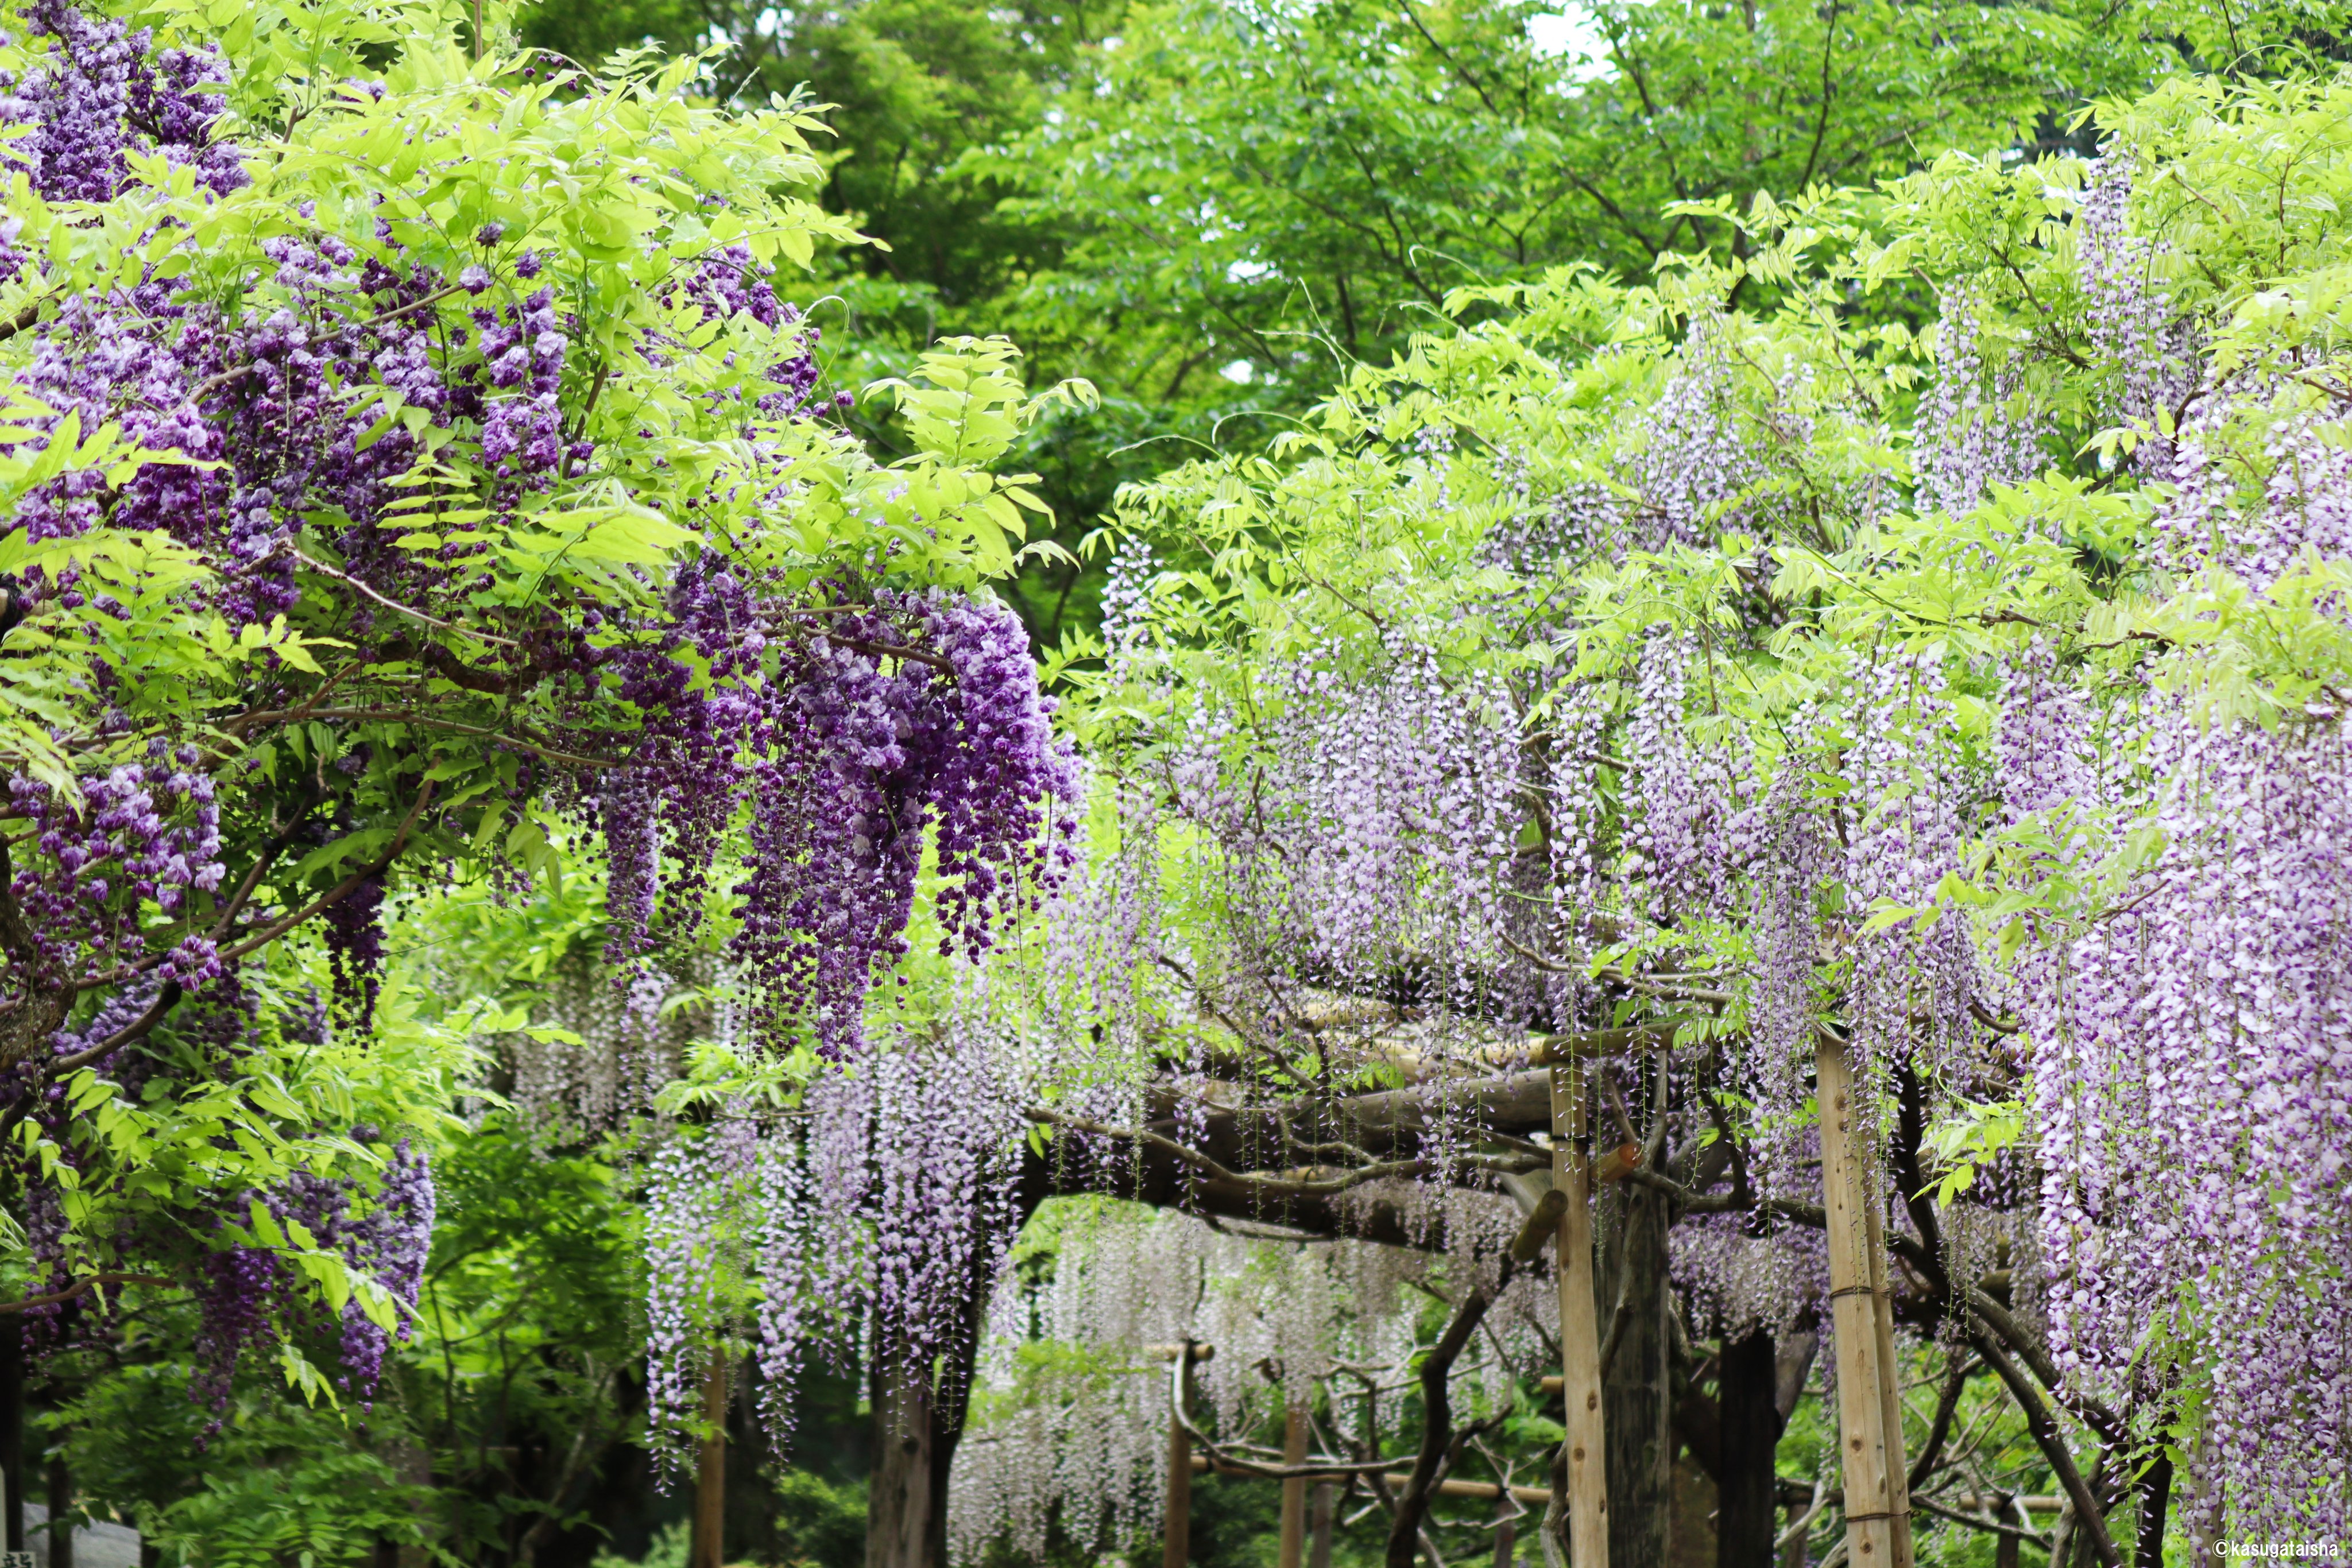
{"x":823,"y":751}
{"x":252,"y":1296}
{"x":910,"y":722}
{"x":101,"y":88}
{"x":144,"y":833}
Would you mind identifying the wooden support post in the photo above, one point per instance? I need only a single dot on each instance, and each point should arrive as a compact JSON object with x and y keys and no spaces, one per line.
{"x":1585,"y":1461}
{"x":709,"y":1545}
{"x":1294,"y":1489}
{"x":1318,"y":1522}
{"x":1890,"y":1385}
{"x":1177,"y":1546}
{"x":1870,"y":1428}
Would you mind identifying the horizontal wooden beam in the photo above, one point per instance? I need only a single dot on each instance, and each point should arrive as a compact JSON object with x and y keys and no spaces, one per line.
{"x":1536,"y":1497}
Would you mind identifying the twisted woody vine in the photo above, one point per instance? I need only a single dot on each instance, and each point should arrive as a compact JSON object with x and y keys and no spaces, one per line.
{"x":1702,"y":913}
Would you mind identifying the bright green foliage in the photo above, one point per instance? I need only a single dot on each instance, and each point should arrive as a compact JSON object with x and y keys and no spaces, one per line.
{"x":1299,"y":189}
{"x":276,"y":1483}
{"x":610,"y":190}
{"x":1825,"y":558}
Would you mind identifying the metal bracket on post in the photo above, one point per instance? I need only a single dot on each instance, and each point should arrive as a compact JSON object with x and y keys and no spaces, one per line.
{"x":1869,"y":1412}
{"x":1585,"y":1459}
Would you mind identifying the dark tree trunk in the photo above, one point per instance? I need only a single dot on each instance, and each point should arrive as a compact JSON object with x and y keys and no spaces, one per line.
{"x":2154,"y":1500}
{"x":708,"y":1548}
{"x":906,"y":1525}
{"x":1636,"y":1395}
{"x":1746,"y":1485}
{"x":12,"y":1427}
{"x":61,"y":1552}
{"x":919,"y":1416}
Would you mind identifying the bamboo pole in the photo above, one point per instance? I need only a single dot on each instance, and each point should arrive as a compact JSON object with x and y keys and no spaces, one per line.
{"x":1585,"y":1461}
{"x":1869,"y":1444}
{"x":1293,"y":1487}
{"x":709,"y":1546}
{"x":1890,"y":1386}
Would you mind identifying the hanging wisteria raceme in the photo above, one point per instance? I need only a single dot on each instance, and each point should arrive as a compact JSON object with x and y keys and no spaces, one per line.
{"x":699,"y":1192}
{"x":1735,"y":1282}
{"x":1078,"y":1436}
{"x":873,"y":1225}
{"x":2188,"y":1096}
{"x":1977,"y":428}
{"x":371,"y":535}
{"x":860,"y":767}
{"x":1915,"y":992}
{"x":1396,"y":788}
{"x":2151,"y":352}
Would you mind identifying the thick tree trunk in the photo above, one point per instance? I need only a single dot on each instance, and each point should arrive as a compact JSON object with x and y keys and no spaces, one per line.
{"x":2155,"y":1498}
{"x":1636,"y":1395}
{"x":918,"y":1415}
{"x":12,"y":1429}
{"x":906,"y":1522}
{"x":62,"y":1541}
{"x":1746,"y":1486}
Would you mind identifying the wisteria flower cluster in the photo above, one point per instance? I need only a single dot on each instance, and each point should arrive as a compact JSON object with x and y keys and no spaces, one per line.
{"x":386,"y":508}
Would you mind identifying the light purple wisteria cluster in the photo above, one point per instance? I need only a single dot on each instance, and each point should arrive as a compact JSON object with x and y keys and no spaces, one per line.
{"x":875,"y":1225}
{"x":2189,"y":1063}
{"x":1977,"y":428}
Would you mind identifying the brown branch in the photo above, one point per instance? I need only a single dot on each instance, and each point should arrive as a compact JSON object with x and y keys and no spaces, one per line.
{"x":1208,"y":1165}
{"x":402,"y":715}
{"x":340,"y":891}
{"x":893,"y":650}
{"x":1436,"y":1423}
{"x":139,"y":1027}
{"x":260,"y":867}
{"x":1948,"y":1403}
{"x":23,"y":321}
{"x":1977,"y":1522}
{"x":80,"y":1286}
{"x":2052,"y":1444}
{"x":397,"y":608}
{"x":1179,"y":1409}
